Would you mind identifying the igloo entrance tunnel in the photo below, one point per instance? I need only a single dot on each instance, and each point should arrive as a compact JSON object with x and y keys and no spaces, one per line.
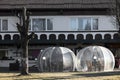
{"x":95,"y":58}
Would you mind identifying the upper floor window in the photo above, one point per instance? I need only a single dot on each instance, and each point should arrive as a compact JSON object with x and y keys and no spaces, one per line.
{"x":3,"y":24}
{"x":78,"y":24}
{"x":41,"y":24}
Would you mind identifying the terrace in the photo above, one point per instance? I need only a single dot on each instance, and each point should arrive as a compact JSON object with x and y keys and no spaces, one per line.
{"x":66,"y":36}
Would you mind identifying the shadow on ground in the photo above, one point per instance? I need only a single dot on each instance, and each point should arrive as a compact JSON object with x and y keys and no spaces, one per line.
{"x":97,"y":74}
{"x":7,"y":70}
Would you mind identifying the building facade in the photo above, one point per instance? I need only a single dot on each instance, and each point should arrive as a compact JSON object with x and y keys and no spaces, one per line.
{"x":69,"y":23}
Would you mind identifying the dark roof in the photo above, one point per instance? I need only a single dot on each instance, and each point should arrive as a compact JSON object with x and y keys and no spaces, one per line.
{"x":46,"y":4}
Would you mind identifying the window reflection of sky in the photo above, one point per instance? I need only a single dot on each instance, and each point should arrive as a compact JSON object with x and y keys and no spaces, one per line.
{"x":78,"y":24}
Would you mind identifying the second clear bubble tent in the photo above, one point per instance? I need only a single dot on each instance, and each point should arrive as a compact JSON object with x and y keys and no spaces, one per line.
{"x":95,"y":58}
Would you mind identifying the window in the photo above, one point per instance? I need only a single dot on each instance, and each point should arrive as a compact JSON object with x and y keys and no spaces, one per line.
{"x":3,"y":55}
{"x":41,"y":24}
{"x":78,"y":24}
{"x":49,"y":24}
{"x":29,"y":25}
{"x":33,"y":54}
{"x":38,"y":24}
{"x":3,"y":24}
{"x":0,"y":24}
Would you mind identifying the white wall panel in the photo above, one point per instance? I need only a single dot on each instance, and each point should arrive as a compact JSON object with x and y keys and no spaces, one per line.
{"x":107,"y":23}
{"x":62,"y":23}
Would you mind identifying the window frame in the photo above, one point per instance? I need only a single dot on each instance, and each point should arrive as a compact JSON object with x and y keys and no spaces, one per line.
{"x":43,"y":26}
{"x":2,"y":29}
{"x":46,"y":23}
{"x":1,"y":24}
{"x":77,"y":23}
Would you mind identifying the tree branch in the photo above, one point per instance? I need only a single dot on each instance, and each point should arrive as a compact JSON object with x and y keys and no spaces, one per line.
{"x":31,"y":36}
{"x":19,"y":27}
{"x":27,"y":21}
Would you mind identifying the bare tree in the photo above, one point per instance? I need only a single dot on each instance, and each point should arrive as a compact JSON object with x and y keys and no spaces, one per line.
{"x":25,"y":37}
{"x":115,"y":11}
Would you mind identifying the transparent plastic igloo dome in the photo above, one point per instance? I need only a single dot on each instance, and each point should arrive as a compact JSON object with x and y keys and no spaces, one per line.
{"x":95,"y":58}
{"x":56,"y":59}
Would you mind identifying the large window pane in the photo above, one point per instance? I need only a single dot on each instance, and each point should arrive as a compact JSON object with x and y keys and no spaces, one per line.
{"x":78,"y":24}
{"x":33,"y":54}
{"x":74,"y":25}
{"x":95,"y":24}
{"x":4,"y":25}
{"x":3,"y":55}
{"x":49,"y":24}
{"x":38,"y":24}
{"x":84,"y":24}
{"x":0,"y":24}
{"x":29,"y":25}
{"x":87,"y":24}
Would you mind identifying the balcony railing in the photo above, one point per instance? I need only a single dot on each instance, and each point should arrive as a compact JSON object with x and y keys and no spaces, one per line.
{"x":64,"y":35}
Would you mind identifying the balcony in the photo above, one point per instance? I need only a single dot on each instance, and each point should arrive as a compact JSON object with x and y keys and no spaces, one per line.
{"x":65,"y":36}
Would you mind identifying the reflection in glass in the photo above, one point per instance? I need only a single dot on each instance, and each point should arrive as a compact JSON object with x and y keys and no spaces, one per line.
{"x":49,"y":24}
{"x":0,"y":24}
{"x":4,"y":24}
{"x":29,"y":28}
{"x":95,"y":24}
{"x":38,"y":24}
{"x":84,"y":23}
{"x":56,"y":59}
{"x":41,"y":24}
{"x":74,"y":24}
{"x":95,"y":58}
